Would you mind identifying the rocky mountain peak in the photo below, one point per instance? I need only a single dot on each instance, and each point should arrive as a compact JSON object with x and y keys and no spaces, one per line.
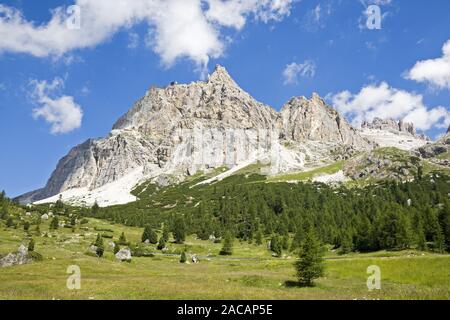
{"x":390,"y":125}
{"x":221,"y":76}
{"x":181,"y":129}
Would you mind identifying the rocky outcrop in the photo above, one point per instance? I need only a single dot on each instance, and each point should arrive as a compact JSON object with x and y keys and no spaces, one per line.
{"x":184,"y":128}
{"x":124,"y":255}
{"x":383,"y":164}
{"x":437,"y":148}
{"x":16,"y":258}
{"x":391,"y":133}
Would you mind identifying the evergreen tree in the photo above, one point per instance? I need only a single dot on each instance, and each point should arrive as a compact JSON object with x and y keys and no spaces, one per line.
{"x":100,"y":246}
{"x":439,"y":241}
{"x":346,"y":243}
{"x":165,"y":234}
{"x":421,"y":240}
{"x":259,"y":238}
{"x":54,"y":224}
{"x":59,"y":205}
{"x":227,"y":249}
{"x":420,"y":173}
{"x":395,"y":231}
{"x":95,"y":209}
{"x":73,"y":221}
{"x":31,"y":245}
{"x":179,"y":230}
{"x":298,"y":238}
{"x":183,"y":257}
{"x":5,"y":213}
{"x":161,"y":243}
{"x":10,"y":222}
{"x":285,"y":242}
{"x":310,"y":265}
{"x":276,"y":246}
{"x":150,"y":235}
{"x":123,"y":239}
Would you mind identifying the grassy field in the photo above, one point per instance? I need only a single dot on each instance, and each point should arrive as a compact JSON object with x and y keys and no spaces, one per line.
{"x":251,"y":273}
{"x":308,"y":175}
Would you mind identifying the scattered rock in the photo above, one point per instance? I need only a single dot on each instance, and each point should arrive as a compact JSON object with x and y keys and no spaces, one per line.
{"x":124,"y":255}
{"x":17,"y":258}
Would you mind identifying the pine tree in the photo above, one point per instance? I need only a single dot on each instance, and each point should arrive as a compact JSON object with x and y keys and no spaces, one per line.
{"x":100,"y":246}
{"x":298,"y":238}
{"x":439,"y":241}
{"x":5,"y":213}
{"x":59,"y":205}
{"x":346,"y":243}
{"x":420,"y":173}
{"x":276,"y":246}
{"x":259,"y":238}
{"x":183,"y":257}
{"x":161,"y":243}
{"x":179,"y":230}
{"x":123,"y":239}
{"x":420,"y":237}
{"x":95,"y":209}
{"x":10,"y":222}
{"x":227,"y":249}
{"x":165,"y":234}
{"x":31,"y":245}
{"x":54,"y":224}
{"x":149,"y":235}
{"x":285,"y":242}
{"x":73,"y":221}
{"x":310,"y":265}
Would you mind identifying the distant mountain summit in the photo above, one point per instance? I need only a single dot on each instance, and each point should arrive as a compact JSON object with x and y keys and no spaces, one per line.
{"x":183,"y":129}
{"x":393,"y":133}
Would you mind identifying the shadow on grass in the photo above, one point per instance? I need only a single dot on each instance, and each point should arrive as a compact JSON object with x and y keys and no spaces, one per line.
{"x":296,"y":284}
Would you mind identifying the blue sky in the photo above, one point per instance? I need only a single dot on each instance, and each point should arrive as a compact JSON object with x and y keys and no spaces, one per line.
{"x":108,"y":65}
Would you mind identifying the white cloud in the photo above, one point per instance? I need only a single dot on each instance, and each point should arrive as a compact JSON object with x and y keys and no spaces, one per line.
{"x":315,"y":18}
{"x":385,"y":102}
{"x":180,"y":28}
{"x":435,"y":72}
{"x":62,"y":112}
{"x":292,"y":72}
{"x":133,"y":40}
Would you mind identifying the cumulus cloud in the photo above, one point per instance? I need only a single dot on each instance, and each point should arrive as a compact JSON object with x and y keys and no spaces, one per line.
{"x":385,"y":102}
{"x":435,"y":72}
{"x":292,"y":72}
{"x":62,"y":112}
{"x":179,"y":28}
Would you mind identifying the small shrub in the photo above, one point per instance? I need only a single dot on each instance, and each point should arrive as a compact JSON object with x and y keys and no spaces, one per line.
{"x":35,"y":256}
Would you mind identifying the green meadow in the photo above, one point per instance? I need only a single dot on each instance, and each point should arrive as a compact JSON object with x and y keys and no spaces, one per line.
{"x":250,"y":273}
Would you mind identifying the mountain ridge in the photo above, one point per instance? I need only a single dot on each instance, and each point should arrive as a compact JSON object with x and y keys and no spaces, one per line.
{"x":179,"y":130}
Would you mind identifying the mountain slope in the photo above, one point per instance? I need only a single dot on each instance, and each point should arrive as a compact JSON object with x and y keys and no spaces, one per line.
{"x":179,"y":130}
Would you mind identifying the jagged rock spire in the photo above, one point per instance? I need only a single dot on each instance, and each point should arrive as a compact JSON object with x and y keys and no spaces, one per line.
{"x":221,"y":75}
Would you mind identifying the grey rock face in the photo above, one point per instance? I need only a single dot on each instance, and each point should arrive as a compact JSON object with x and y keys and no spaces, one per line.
{"x":183,"y":128}
{"x":391,"y":125}
{"x":124,"y":255}
{"x":437,"y":148}
{"x":15,"y":259}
